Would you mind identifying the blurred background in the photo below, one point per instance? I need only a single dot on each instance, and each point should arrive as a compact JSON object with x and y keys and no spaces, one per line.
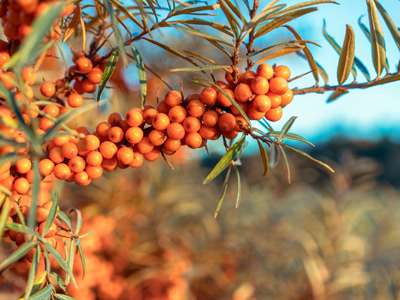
{"x":324,"y":236}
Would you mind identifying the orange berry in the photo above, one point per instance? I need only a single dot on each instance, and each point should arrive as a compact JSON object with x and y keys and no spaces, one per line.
{"x":103,"y":128}
{"x":8,"y":79}
{"x":125,"y":155}
{"x":275,"y":99}
{"x":144,"y":146}
{"x":52,"y":230}
{"x":134,"y":117}
{"x":253,"y":114}
{"x":230,"y":135}
{"x":94,"y":158}
{"x":67,"y":10}
{"x":221,"y":84}
{"x":196,"y":108}
{"x":163,"y":107}
{"x":149,"y":115}
{"x":210,"y":118}
{"x":116,"y":134}
{"x":21,"y":185}
{"x":8,"y":182}
{"x":69,"y":150}
{"x":41,"y":214}
{"x":47,"y":89}
{"x":75,"y":100}
{"x":137,"y":160}
{"x":30,"y":176}
{"x":223,"y":100}
{"x":109,"y":164}
{"x":74,"y":138}
{"x":193,"y":140}
{"x":108,"y":149}
{"x":4,"y":57}
{"x":28,"y":75}
{"x":278,"y":85}
{"x":226,"y":122}
{"x":46,"y":167}
{"x":208,"y":96}
{"x":193,"y":96}
{"x":94,"y":172}
{"x":88,"y":87}
{"x":229,"y":76}
{"x":172,"y":144}
{"x":84,"y":65}
{"x":287,"y":97}
{"x":265,"y":70}
{"x":160,"y":121}
{"x":191,"y":124}
{"x":152,"y":155}
{"x":23,"y":165}
{"x":95,"y":75}
{"x":177,"y":114}
{"x":260,"y":85}
{"x":235,"y":111}
{"x":243,"y":92}
{"x":84,"y":130}
{"x":78,"y":87}
{"x":62,"y":171}
{"x":91,"y":142}
{"x":5,"y":167}
{"x":52,"y":110}
{"x":207,"y":132}
{"x":242,"y":121}
{"x":157,"y":137}
{"x":4,"y":175}
{"x":134,"y":135}
{"x":173,"y":98}
{"x":176,"y":131}
{"x":261,"y":103}
{"x":82,"y":178}
{"x":114,"y":118}
{"x":77,"y":164}
{"x":274,"y":114}
{"x":282,"y":71}
{"x":247,"y":77}
{"x":45,"y":124}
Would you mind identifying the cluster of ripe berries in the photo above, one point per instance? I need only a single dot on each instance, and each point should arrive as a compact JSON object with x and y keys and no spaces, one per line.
{"x":17,"y":17}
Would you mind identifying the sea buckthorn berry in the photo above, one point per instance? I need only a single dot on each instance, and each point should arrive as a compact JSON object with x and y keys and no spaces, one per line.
{"x":30,"y":176}
{"x":173,"y":98}
{"x":287,"y":97}
{"x":77,"y":164}
{"x":82,"y":178}
{"x":84,"y":65}
{"x":91,"y":142}
{"x":230,"y":135}
{"x":52,"y":230}
{"x":220,"y":84}
{"x":95,"y":75}
{"x":177,"y":114}
{"x":210,"y":118}
{"x":137,"y":160}
{"x":275,"y":99}
{"x":260,"y":85}
{"x":134,"y":135}
{"x":262,"y":103}
{"x":208,"y":96}
{"x":124,"y":125}
{"x":75,"y":100}
{"x":46,"y":166}
{"x":56,"y":155}
{"x":108,"y":149}
{"x":4,"y":57}
{"x":62,"y":171}
{"x":69,"y":150}
{"x":125,"y":155}
{"x":282,"y":71}
{"x":3,"y":44}
{"x":94,"y":158}
{"x":193,"y":140}
{"x":223,"y":100}
{"x":253,"y":114}
{"x":265,"y":70}
{"x":47,"y":89}
{"x":229,"y":76}
{"x":84,"y":130}
{"x":115,"y":134}
{"x":109,"y":164}
{"x":247,"y":77}
{"x":134,"y":117}
{"x":207,"y":132}
{"x":74,"y":138}
{"x":243,"y":92}
{"x":28,"y":75}
{"x":114,"y":118}
{"x":157,"y":137}
{"x":149,"y":115}
{"x":196,"y":108}
{"x":163,"y":107}
{"x":226,"y":122}
{"x":4,"y":175}
{"x":160,"y":121}
{"x":191,"y":124}
{"x":78,"y":87}
{"x":103,"y":128}
{"x":235,"y":111}
{"x":8,"y":182}
{"x":41,"y":214}
{"x":21,"y":185}
{"x":274,"y":114}
{"x":8,"y":79}
{"x":5,"y":167}
{"x":61,"y":140}
{"x":94,"y":172}
{"x":241,"y":122}
{"x":193,"y":96}
{"x":88,"y":87}
{"x":152,"y":155}
{"x":172,"y":144}
{"x":176,"y":131}
{"x":144,"y":146}
{"x":278,"y":85}
{"x":52,"y":110}
{"x":148,"y":106}
{"x":23,"y":165}
{"x":10,"y":31}
{"x":67,"y":10}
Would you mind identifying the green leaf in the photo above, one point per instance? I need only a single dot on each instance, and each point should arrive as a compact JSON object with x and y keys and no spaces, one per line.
{"x":3,"y":217}
{"x":377,"y":39}
{"x":392,"y":27}
{"x":190,"y":10}
{"x":63,"y":297}
{"x":234,"y":103}
{"x":126,"y":12}
{"x":35,"y":193}
{"x":286,"y":162}
{"x":65,"y":218}
{"x":263,"y":16}
{"x":223,"y":193}
{"x":305,"y":4}
{"x":273,"y":162}
{"x":233,"y":22}
{"x":59,"y":281}
{"x":19,"y":253}
{"x":141,"y":72}
{"x":143,"y":14}
{"x":73,"y":24}
{"x":235,"y":10}
{"x":302,"y":153}
{"x":37,"y":284}
{"x":385,"y":80}
{"x":263,"y":156}
{"x":263,"y":50}
{"x":217,"y":26}
{"x":280,"y":52}
{"x":21,"y":217}
{"x":346,"y":59}
{"x":40,"y":27}
{"x":239,"y":188}
{"x":320,"y":69}
{"x":336,"y":94}
{"x":43,"y":293}
{"x":108,"y":71}
{"x":286,"y":128}
{"x":32,"y":273}
{"x":194,"y":69}
{"x":290,"y":136}
{"x":226,"y":160}
{"x":70,"y":260}
{"x":117,"y":33}
{"x":82,"y":260}
{"x":78,"y":219}
{"x":52,"y":214}
{"x":203,"y":35}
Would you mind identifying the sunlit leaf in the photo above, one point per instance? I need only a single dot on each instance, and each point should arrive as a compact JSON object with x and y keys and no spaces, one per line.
{"x":235,"y":10}
{"x":44,"y":293}
{"x":305,"y":4}
{"x":392,"y":27}
{"x":194,"y":69}
{"x":73,"y":23}
{"x":52,"y":214}
{"x":37,"y":284}
{"x":125,"y":11}
{"x":346,"y":56}
{"x":191,"y":10}
{"x":264,"y":157}
{"x":263,"y":16}
{"x":78,"y":219}
{"x":59,"y":281}
{"x":233,"y":22}
{"x":280,"y":52}
{"x":239,"y":188}
{"x":226,"y":160}
{"x":290,"y":136}
{"x":35,"y":193}
{"x":83,"y":34}
{"x":385,"y":80}
{"x":82,"y":260}
{"x":336,"y":94}
{"x":19,"y":253}
{"x":223,"y":193}
{"x":3,"y":216}
{"x":217,"y":26}
{"x":64,"y":218}
{"x":70,"y":261}
{"x":142,"y":74}
{"x":143,"y":14}
{"x":63,"y":297}
{"x":274,"y":156}
{"x":203,"y":35}
{"x":286,"y":128}
{"x":32,"y":273}
{"x":286,"y":162}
